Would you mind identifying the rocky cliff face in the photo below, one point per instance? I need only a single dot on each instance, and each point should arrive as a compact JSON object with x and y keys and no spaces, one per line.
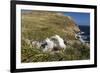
{"x":40,"y":24}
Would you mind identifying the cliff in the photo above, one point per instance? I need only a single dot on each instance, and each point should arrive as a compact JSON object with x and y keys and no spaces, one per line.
{"x":38,"y":25}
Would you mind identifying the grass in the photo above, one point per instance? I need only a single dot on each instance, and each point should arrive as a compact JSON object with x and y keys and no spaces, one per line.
{"x":74,"y":52}
{"x":40,"y":25}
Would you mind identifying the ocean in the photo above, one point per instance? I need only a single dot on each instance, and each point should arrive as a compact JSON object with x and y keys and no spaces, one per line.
{"x":86,"y":34}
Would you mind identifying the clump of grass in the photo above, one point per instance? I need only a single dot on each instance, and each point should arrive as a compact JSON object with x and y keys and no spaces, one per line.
{"x":75,"y":52}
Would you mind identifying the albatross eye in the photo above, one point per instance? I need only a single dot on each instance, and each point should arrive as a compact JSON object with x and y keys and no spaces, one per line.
{"x":44,"y":44}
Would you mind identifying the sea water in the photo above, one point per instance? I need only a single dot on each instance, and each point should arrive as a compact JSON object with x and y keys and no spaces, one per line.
{"x":86,"y":32}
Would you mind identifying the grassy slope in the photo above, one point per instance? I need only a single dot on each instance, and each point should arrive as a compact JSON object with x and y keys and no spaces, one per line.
{"x":40,"y":25}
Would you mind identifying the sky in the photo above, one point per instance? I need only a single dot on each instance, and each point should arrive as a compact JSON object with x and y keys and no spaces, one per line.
{"x":79,"y":18}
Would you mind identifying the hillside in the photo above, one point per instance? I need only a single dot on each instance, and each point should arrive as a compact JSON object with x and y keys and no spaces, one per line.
{"x":38,"y":25}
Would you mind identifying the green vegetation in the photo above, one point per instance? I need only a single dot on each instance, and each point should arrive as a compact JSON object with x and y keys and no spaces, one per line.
{"x":39,"y":25}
